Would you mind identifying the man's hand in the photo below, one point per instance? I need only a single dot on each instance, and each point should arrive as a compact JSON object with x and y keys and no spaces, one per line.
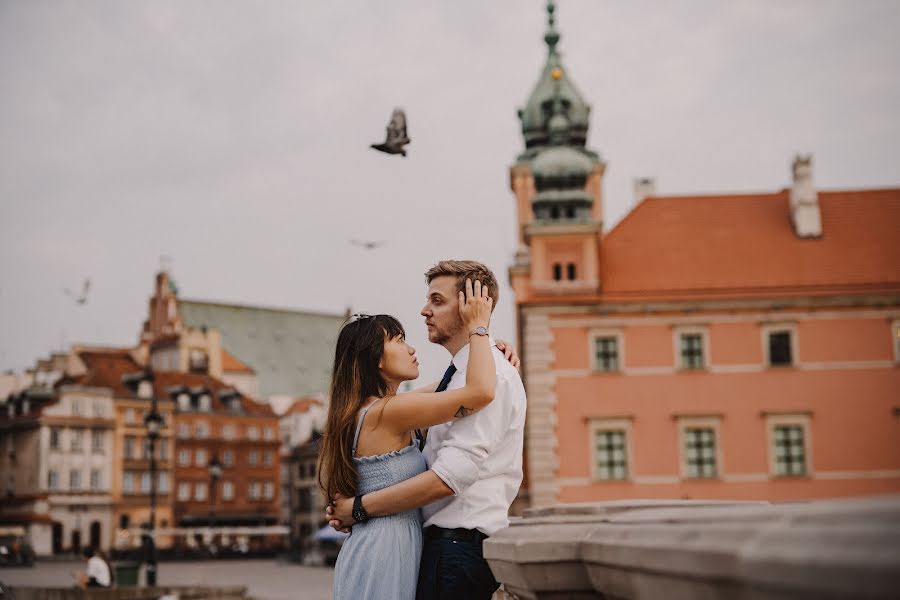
{"x":340,"y":513}
{"x":509,"y":352}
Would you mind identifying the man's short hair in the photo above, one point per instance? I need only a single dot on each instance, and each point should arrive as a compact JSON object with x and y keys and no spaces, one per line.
{"x":466,"y":269}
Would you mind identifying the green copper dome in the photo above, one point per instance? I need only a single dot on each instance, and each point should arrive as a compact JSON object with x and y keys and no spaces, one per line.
{"x":554,"y":82}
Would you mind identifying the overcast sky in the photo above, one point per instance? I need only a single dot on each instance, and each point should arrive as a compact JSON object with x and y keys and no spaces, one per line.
{"x":233,"y":137}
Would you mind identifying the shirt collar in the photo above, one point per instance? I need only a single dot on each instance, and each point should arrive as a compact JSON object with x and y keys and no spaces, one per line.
{"x":461,"y":358}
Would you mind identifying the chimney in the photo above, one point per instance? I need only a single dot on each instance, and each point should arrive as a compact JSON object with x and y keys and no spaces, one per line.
{"x":644,"y":187}
{"x":805,"y":213}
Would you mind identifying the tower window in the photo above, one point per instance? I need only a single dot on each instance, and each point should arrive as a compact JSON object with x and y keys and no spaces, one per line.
{"x":554,"y":212}
{"x":557,"y":272}
{"x":570,"y":212}
{"x":570,"y":271}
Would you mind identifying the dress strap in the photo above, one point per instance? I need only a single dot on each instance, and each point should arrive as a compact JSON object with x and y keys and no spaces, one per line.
{"x":359,"y":423}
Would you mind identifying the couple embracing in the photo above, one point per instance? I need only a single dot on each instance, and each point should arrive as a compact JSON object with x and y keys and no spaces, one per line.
{"x":420,"y":507}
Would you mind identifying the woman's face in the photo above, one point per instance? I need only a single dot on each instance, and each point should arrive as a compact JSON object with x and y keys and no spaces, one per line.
{"x":399,"y":362}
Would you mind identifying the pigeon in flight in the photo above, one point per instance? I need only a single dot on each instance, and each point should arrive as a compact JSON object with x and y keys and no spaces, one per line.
{"x":366,"y":244}
{"x":396,"y":136}
{"x":82,"y":298}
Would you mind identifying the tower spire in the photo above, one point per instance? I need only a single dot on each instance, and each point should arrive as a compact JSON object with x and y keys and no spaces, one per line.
{"x":552,"y":35}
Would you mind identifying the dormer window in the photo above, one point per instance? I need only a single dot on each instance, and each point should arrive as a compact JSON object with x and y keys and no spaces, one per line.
{"x":198,"y":362}
{"x":145,"y":389}
{"x":554,"y":213}
{"x":184,"y":402}
{"x":205,"y":403}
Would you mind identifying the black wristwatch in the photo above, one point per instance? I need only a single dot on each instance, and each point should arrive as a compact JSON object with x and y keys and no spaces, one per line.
{"x":359,"y":514}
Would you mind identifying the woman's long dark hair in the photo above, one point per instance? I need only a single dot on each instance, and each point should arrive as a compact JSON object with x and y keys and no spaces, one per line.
{"x":355,"y":378}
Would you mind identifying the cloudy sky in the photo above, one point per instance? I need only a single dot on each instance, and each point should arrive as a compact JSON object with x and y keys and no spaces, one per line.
{"x":232,"y":137}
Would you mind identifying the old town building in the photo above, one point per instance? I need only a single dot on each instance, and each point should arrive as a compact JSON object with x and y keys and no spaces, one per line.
{"x":716,"y":346}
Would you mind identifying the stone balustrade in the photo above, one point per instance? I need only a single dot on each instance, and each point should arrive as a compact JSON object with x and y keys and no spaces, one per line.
{"x":699,"y":550}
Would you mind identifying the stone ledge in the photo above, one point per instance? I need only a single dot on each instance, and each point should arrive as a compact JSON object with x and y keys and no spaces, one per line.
{"x":702,"y":549}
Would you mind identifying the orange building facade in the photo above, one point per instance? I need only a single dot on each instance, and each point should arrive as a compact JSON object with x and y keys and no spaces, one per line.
{"x":738,"y":346}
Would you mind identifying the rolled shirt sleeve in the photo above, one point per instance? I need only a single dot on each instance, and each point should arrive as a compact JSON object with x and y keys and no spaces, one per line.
{"x":472,"y":439}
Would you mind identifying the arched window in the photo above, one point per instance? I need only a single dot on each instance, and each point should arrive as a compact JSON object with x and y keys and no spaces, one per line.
{"x":557,"y":271}
{"x":570,"y":271}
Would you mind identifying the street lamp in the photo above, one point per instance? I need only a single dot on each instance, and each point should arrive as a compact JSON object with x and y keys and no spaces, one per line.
{"x":153,"y":421}
{"x":215,"y":473}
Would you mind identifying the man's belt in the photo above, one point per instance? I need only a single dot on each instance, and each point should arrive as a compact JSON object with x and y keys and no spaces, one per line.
{"x":472,"y":536}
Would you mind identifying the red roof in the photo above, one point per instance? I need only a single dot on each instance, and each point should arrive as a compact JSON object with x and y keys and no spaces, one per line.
{"x":232,"y":364}
{"x":745,"y":246}
{"x":302,"y":405}
{"x":163,"y":380}
{"x":105,"y":368}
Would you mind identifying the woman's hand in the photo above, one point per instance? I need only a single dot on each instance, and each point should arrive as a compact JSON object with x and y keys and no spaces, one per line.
{"x":339,"y":513}
{"x":475,"y":305}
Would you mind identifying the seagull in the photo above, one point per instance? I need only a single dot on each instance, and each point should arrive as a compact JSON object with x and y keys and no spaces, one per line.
{"x":396,"y":136}
{"x":81,"y":299}
{"x":366,"y":244}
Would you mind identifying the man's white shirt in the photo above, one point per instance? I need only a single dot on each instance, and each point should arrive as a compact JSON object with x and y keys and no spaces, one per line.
{"x":480,"y":456}
{"x":99,"y":570}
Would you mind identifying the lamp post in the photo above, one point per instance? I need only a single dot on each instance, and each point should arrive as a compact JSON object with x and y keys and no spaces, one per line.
{"x":215,"y":473}
{"x":153,"y":421}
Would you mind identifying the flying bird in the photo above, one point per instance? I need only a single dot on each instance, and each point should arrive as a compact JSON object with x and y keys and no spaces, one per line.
{"x":396,"y":136}
{"x":82,"y":298}
{"x":366,"y":244}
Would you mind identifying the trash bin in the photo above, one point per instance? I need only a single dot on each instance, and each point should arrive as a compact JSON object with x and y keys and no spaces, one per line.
{"x":126,"y":573}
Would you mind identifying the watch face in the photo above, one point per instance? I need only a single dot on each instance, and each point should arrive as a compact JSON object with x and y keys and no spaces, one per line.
{"x":481,"y":330}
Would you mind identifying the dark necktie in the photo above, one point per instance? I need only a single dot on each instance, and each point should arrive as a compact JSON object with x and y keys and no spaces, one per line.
{"x":445,"y":381}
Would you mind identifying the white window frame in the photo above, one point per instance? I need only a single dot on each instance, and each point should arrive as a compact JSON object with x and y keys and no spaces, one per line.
{"x":253,"y":458}
{"x":96,"y":480}
{"x":686,"y":422}
{"x":788,"y":419}
{"x":605,"y":424}
{"x":228,"y":431}
{"x":52,"y":480}
{"x":769,"y":328}
{"x":146,"y":482}
{"x":128,"y":482}
{"x":97,"y":441}
{"x":267,"y":458}
{"x":268,"y":433}
{"x":162,"y":482}
{"x":254,"y":490}
{"x":228,"y":458}
{"x":201,"y":429}
{"x":227,"y":491}
{"x":184,"y":491}
{"x":703,"y":331}
{"x":145,"y":390}
{"x":129,"y":416}
{"x":76,"y":440}
{"x":59,"y":443}
{"x":268,"y":490}
{"x":75,"y":480}
{"x":200,"y":458}
{"x":617,"y":333}
{"x":184,"y":457}
{"x":200,"y":491}
{"x":252,"y":432}
{"x":184,"y":431}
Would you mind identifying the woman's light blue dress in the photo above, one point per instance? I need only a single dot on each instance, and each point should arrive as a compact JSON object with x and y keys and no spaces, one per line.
{"x":380,"y":559}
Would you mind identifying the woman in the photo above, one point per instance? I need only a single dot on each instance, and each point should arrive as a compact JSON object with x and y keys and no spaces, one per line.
{"x":369,"y":443}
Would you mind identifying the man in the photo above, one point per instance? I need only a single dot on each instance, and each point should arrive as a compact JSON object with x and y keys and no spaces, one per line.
{"x":97,"y":573}
{"x":475,"y":463}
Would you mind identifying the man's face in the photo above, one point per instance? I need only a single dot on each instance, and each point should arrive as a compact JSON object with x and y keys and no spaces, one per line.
{"x":441,"y":310}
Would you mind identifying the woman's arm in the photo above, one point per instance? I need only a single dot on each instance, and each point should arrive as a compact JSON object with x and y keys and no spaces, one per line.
{"x":412,"y":410}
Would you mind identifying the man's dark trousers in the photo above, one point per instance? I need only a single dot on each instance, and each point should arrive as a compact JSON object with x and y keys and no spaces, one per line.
{"x":454,"y":570}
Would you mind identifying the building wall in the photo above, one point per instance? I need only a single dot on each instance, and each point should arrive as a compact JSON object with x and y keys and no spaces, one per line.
{"x":241,"y":474}
{"x":841,"y":389}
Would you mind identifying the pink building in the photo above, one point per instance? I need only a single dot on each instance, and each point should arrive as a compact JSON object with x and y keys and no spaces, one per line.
{"x":728,"y":346}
